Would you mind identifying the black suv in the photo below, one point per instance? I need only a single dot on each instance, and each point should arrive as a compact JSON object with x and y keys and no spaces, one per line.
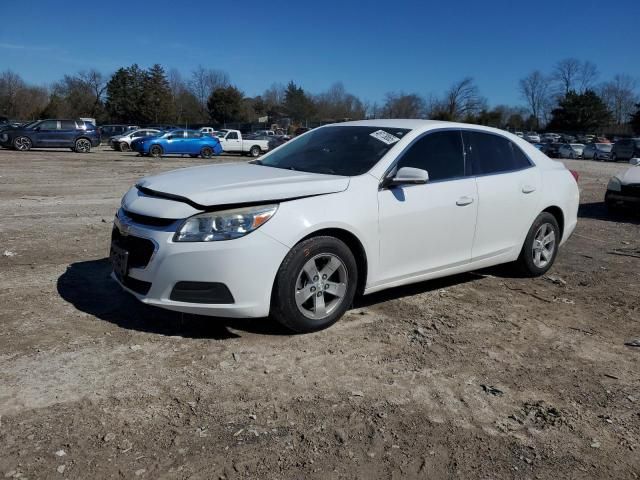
{"x":77,"y":135}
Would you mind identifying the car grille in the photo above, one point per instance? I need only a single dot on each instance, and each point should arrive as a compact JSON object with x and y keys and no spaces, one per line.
{"x":149,"y":221}
{"x":140,"y":249}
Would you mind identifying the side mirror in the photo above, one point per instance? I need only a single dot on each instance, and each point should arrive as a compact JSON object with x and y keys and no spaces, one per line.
{"x":409,"y":176}
{"x":635,"y":161}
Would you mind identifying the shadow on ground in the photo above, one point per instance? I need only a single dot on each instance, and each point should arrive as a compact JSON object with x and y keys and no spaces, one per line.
{"x":89,"y":288}
{"x":599,"y":211}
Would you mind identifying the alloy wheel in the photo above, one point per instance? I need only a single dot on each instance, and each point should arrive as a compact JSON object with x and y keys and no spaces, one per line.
{"x":22,"y":143}
{"x":206,"y":152}
{"x":544,"y":244}
{"x":321,"y":286}
{"x":83,"y":145}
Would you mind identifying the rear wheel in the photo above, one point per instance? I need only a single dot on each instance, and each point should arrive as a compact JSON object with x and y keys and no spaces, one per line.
{"x":255,"y":151}
{"x":206,"y":152}
{"x":82,"y":145}
{"x":540,"y":247}
{"x":315,"y":285}
{"x":155,"y":151}
{"x":22,"y":143}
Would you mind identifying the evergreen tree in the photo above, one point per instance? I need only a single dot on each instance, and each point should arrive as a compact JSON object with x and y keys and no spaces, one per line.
{"x":584,"y":112}
{"x":225,"y":105}
{"x":297,"y":104}
{"x":635,"y":120}
{"x":156,"y":101}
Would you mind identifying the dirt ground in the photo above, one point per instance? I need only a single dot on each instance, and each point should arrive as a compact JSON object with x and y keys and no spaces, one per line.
{"x":481,"y":375}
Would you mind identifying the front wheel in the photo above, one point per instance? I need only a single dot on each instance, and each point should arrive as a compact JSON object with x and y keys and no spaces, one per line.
{"x":155,"y":151}
{"x":255,"y":151}
{"x":124,"y":147}
{"x":315,"y":285}
{"x":540,"y":247}
{"x":22,"y":143}
{"x":614,"y":158}
{"x":82,"y":145}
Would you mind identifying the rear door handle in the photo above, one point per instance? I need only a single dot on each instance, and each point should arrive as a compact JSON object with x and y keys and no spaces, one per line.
{"x":462,"y":201}
{"x":528,"y":189}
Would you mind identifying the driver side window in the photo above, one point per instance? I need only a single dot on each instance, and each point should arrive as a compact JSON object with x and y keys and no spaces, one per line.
{"x":232,"y":136}
{"x":439,"y":153}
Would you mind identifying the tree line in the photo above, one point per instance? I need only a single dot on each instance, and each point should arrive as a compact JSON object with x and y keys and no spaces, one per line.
{"x":568,"y":98}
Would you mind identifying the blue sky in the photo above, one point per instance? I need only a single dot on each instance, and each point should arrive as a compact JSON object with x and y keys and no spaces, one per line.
{"x":372,"y":47}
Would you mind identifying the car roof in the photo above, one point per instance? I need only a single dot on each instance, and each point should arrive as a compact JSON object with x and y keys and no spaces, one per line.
{"x":421,"y":125}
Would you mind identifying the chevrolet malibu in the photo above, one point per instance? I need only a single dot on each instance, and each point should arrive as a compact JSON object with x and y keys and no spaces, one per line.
{"x":342,"y":210}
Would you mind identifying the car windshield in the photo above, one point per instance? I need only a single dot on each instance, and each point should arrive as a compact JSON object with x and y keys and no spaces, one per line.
{"x":605,"y":147}
{"x":336,"y":150}
{"x":577,"y":146}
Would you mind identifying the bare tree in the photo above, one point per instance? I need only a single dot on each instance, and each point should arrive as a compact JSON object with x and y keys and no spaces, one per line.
{"x":534,"y":88}
{"x":587,"y":76}
{"x":401,"y":105}
{"x":620,"y":96}
{"x":10,"y":85}
{"x":463,"y":99}
{"x":202,"y":84}
{"x":566,"y":73}
{"x":95,"y":82}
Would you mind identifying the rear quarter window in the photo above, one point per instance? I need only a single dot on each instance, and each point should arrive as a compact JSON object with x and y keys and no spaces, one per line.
{"x":493,"y":154}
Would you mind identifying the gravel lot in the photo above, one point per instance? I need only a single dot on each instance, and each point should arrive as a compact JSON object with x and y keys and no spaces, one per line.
{"x":477,"y":376}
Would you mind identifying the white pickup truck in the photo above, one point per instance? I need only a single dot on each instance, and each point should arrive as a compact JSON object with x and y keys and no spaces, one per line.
{"x":232,"y":141}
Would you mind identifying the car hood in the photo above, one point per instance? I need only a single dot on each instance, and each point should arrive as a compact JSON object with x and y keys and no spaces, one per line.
{"x":631,"y":176}
{"x":239,"y":183}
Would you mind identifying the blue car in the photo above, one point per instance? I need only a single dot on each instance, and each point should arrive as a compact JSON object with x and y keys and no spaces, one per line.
{"x":180,"y":142}
{"x":77,"y":135}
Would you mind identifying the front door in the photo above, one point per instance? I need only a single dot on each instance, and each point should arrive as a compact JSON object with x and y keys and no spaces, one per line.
{"x":46,"y":134}
{"x":428,"y":228}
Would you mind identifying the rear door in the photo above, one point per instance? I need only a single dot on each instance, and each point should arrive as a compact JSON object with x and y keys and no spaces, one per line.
{"x":508,"y":193}
{"x":430,"y":227}
{"x":67,"y":134}
{"x":193,"y":142}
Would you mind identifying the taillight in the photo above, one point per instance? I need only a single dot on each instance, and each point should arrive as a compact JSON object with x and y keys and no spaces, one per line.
{"x":575,"y":175}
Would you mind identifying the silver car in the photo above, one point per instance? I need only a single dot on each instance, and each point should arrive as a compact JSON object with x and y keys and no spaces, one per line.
{"x":571,"y":150}
{"x":597,"y":151}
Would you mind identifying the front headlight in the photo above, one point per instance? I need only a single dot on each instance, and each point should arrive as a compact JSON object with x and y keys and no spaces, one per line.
{"x":224,"y":225}
{"x":614,"y":185}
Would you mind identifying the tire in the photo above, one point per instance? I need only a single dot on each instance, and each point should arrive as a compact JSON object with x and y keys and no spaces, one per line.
{"x":124,"y":147}
{"x":302,"y":301}
{"x":155,"y":151}
{"x":206,"y":152}
{"x":532,"y":261}
{"x":612,"y":206}
{"x":614,"y":158}
{"x":255,"y":151}
{"x":22,"y":144}
{"x":82,"y":145}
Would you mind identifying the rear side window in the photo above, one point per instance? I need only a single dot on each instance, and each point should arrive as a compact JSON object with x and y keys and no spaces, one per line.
{"x":491,"y":153}
{"x":67,"y":125}
{"x":194,"y":135}
{"x":439,"y":153}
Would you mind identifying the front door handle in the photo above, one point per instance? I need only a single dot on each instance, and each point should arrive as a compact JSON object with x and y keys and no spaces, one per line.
{"x":462,"y":201}
{"x":528,"y":189}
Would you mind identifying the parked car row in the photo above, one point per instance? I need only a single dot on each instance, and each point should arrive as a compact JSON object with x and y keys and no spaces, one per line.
{"x":624,"y":149}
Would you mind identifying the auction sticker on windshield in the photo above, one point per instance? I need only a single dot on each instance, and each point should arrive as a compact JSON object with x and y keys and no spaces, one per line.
{"x":384,"y":137}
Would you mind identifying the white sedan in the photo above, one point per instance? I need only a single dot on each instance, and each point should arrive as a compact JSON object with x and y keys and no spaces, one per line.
{"x":123,"y":142}
{"x":344,"y":209}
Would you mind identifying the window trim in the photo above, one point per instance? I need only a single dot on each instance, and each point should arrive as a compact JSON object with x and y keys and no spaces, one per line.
{"x":501,"y":172}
